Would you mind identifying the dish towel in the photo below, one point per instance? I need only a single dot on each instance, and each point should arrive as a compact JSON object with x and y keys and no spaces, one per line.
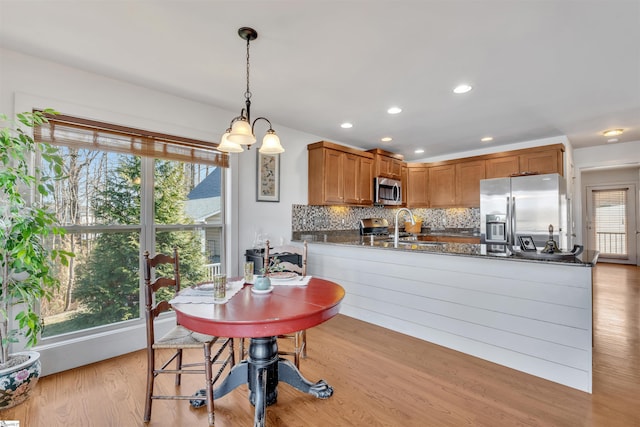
{"x":203,"y":294}
{"x":296,"y":281}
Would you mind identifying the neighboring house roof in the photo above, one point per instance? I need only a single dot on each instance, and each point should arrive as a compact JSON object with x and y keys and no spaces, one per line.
{"x":202,"y":209}
{"x":208,"y":187}
{"x":203,"y":201}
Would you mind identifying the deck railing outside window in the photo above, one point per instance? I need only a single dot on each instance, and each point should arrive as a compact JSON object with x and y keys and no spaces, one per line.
{"x":212,"y":270}
{"x":611,"y":243}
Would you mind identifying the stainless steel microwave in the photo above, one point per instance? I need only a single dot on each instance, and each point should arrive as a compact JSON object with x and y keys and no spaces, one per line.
{"x":387,"y":191}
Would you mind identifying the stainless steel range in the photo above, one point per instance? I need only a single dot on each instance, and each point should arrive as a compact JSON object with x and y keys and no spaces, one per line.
{"x":374,"y":226}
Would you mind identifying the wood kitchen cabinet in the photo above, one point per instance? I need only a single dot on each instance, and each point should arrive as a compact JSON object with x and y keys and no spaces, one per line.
{"x":456,"y":184}
{"x":350,"y":166}
{"x":387,"y":164}
{"x":537,"y":160}
{"x":405,"y":183}
{"x":468,"y":176}
{"x":339,"y":175}
{"x":365,"y":180}
{"x":442,"y":186}
{"x":502,"y":167}
{"x":417,"y":186}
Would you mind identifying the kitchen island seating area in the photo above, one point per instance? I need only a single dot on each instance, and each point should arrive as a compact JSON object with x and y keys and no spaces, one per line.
{"x":215,"y":351}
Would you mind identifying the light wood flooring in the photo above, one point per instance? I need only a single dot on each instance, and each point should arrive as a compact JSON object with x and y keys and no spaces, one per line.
{"x":381,"y":378}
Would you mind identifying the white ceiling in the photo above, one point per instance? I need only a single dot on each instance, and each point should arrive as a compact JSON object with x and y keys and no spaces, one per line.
{"x":539,"y":68}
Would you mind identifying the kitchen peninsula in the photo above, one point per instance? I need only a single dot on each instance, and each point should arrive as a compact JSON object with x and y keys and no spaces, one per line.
{"x":534,"y":316}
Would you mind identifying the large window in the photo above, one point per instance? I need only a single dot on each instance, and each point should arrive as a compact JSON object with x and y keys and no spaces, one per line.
{"x":126,"y":192}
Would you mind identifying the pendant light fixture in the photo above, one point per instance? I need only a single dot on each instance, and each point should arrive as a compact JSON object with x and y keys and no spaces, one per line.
{"x":241,"y":129}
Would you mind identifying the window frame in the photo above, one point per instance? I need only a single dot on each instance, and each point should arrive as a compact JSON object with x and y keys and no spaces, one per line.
{"x":134,"y":329}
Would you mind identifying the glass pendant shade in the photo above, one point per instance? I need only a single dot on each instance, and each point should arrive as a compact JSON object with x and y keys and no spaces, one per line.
{"x":241,"y":133}
{"x":271,"y":144}
{"x":228,"y":146}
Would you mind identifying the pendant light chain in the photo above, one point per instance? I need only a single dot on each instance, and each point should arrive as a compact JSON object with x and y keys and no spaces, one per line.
{"x":247,"y":94}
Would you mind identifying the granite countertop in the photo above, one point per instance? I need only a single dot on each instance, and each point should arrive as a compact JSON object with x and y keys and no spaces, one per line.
{"x":409,"y":243}
{"x":451,"y":232}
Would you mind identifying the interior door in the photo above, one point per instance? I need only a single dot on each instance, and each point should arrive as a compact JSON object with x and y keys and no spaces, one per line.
{"x":611,"y":222}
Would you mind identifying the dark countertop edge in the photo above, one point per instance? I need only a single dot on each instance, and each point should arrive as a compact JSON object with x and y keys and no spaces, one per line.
{"x":463,"y":249}
{"x":319,"y":235}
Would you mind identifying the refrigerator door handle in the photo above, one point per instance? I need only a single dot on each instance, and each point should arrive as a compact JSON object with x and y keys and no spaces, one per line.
{"x":507,"y":231}
{"x":513,"y":220}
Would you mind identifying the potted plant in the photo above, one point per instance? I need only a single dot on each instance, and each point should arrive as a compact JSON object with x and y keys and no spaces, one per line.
{"x":263,"y":282}
{"x":26,"y":262}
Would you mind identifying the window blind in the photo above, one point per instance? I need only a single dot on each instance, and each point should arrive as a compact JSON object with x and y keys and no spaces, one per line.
{"x":83,"y":133}
{"x":610,"y":227}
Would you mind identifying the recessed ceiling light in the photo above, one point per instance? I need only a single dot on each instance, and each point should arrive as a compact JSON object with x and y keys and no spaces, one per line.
{"x":487,"y":139}
{"x":386,"y":139}
{"x":612,"y":140}
{"x":346,"y":125}
{"x":613,"y":132}
{"x":419,"y":151}
{"x":394,"y":110}
{"x":462,"y":88}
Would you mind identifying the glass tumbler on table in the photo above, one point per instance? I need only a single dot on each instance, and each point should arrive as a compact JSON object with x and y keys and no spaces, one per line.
{"x":248,"y":271}
{"x":219,"y":286}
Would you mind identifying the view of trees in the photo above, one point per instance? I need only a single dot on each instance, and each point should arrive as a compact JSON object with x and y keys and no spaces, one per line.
{"x":102,"y":195}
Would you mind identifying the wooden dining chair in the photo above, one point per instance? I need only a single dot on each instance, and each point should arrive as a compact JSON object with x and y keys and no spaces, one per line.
{"x":178,"y":338}
{"x":299,"y":266}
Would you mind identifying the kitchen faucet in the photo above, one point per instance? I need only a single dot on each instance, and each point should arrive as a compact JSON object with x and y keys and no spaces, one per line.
{"x":396,"y":234}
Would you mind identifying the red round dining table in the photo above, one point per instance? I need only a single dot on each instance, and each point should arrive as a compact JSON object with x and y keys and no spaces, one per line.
{"x":262,"y":317}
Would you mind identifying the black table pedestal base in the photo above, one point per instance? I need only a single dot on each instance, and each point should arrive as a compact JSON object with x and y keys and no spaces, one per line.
{"x":262,"y":371}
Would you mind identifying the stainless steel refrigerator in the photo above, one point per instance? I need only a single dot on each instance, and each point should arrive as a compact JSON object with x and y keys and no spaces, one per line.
{"x":524,"y":206}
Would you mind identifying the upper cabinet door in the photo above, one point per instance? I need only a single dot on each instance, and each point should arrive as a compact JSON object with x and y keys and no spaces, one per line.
{"x":502,"y":167}
{"x":442,"y":186}
{"x":541,"y":162}
{"x":333,"y":176}
{"x":365,"y":181}
{"x":417,"y":188}
{"x":396,"y":168}
{"x":468,"y":176}
{"x":350,"y":173}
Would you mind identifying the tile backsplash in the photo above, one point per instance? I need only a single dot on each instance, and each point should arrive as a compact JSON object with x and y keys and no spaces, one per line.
{"x":314,"y":218}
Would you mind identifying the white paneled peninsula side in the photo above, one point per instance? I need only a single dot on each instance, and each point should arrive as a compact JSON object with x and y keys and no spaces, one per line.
{"x":533,"y":316}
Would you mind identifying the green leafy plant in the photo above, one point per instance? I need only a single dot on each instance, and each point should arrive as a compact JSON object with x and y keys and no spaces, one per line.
{"x":27,"y":272}
{"x":274,"y":266}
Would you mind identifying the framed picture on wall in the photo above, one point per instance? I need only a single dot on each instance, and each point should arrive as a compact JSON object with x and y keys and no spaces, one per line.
{"x":268,"y":185}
